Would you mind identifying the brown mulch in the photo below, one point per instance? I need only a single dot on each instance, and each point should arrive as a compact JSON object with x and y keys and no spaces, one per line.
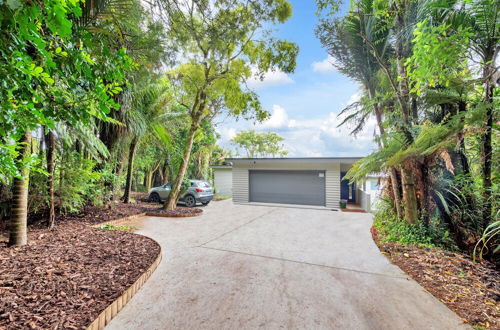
{"x":177,"y":212}
{"x":92,"y":215}
{"x":470,"y":289}
{"x":65,"y":277}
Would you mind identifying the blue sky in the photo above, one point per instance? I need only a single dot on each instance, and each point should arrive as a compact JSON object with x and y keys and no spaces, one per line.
{"x":304,"y":105}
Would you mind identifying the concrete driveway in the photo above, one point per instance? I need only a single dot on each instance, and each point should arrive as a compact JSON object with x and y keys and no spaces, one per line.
{"x":247,"y":267}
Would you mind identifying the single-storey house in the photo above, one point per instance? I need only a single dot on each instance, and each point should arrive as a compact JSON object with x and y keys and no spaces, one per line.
{"x":301,"y":181}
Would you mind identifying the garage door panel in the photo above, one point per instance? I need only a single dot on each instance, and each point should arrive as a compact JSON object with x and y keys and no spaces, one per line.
{"x":287,"y":187}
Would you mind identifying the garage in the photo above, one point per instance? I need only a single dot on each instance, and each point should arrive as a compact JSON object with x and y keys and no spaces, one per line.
{"x":287,"y":187}
{"x":301,"y":181}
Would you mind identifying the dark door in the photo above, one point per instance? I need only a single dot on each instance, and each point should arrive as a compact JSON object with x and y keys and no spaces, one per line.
{"x":287,"y":187}
{"x":347,"y":191}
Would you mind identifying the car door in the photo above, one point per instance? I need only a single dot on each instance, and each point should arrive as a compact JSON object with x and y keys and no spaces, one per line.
{"x":165,"y":191}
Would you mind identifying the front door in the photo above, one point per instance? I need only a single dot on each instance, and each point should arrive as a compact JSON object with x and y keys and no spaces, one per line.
{"x":347,"y":190}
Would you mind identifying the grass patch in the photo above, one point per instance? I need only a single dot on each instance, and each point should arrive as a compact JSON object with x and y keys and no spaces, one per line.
{"x":121,"y":228}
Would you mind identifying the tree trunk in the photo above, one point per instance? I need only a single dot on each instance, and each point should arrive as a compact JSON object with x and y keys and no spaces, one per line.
{"x":409,"y":195}
{"x":396,"y":190}
{"x":149,"y":179}
{"x":130,"y":169}
{"x":50,"y":140}
{"x":165,"y":174}
{"x":176,"y":187}
{"x":486,"y":145}
{"x":19,"y":218}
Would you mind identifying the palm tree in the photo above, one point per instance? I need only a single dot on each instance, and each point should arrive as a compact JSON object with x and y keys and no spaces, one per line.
{"x":146,"y":113}
{"x":18,"y":219}
{"x":345,"y":40}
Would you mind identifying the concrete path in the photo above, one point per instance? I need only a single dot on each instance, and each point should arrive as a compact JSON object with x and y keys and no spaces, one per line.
{"x":247,"y":267}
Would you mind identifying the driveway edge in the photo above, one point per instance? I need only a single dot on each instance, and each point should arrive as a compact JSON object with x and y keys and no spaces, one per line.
{"x":116,"y":306}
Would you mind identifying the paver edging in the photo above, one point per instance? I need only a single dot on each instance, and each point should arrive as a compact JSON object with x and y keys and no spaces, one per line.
{"x":116,"y":221}
{"x":116,"y":306}
{"x":186,"y":215}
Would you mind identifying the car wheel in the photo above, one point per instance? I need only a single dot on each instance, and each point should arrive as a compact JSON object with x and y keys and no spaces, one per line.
{"x":205,"y":203}
{"x":154,"y":197}
{"x":190,"y":201}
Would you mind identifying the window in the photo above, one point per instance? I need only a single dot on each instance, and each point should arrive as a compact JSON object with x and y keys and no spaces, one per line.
{"x":373,"y":185}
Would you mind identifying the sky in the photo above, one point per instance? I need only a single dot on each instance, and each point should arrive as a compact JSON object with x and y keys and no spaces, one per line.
{"x":304,"y":105}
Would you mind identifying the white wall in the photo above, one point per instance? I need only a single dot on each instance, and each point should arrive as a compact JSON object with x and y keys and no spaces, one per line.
{"x":223,"y":181}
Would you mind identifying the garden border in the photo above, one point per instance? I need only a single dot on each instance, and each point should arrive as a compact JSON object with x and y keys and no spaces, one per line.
{"x":116,"y":306}
{"x":116,"y":221}
{"x":186,"y":215}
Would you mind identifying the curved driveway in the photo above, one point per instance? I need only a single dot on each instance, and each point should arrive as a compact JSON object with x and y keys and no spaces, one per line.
{"x":247,"y":267}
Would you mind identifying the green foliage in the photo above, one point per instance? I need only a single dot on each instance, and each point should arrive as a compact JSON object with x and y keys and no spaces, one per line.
{"x":255,"y":144}
{"x":392,"y":229}
{"x":438,"y":55}
{"x":56,"y":71}
{"x":80,"y":184}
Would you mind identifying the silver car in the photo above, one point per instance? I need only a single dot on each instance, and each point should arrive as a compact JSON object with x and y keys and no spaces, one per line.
{"x":199,"y":192}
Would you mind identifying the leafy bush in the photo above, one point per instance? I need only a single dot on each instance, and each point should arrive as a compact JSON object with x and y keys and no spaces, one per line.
{"x":393,"y":229}
{"x":77,"y":184}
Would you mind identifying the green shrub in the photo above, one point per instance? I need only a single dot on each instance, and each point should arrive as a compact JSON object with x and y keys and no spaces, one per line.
{"x":77,"y":184}
{"x":392,"y":229}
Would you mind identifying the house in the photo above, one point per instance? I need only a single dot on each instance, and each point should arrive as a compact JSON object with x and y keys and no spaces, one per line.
{"x":300,"y":181}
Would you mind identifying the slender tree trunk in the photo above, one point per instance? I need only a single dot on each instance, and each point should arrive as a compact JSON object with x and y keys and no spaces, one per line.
{"x":130,"y":169}
{"x":396,"y":190}
{"x":176,"y":187}
{"x":18,"y":231}
{"x":165,"y":174}
{"x":486,"y":145}
{"x":149,"y":179}
{"x":50,"y":140}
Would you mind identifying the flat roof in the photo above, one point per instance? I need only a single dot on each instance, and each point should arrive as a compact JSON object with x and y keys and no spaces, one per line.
{"x":221,"y":166}
{"x":349,"y":160}
{"x":293,"y":158}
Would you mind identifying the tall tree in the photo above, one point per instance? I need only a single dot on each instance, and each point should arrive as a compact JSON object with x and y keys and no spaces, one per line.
{"x":221,"y":43}
{"x":344,"y":38}
{"x":255,"y":144}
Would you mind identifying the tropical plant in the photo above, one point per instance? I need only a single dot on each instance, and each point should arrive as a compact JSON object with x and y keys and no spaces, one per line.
{"x":221,"y":43}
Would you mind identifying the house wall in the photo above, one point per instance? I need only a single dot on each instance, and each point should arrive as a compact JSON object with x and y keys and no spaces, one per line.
{"x":332,"y":177}
{"x":223,"y":181}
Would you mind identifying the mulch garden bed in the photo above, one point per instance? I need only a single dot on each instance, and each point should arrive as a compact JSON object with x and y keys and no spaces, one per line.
{"x":65,"y":277}
{"x":470,"y":289}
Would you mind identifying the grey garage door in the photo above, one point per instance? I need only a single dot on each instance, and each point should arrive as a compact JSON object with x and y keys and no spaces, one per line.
{"x":288,"y":187}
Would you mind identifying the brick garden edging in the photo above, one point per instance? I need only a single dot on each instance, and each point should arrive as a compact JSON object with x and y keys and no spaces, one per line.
{"x":185,"y":215}
{"x":116,"y":221}
{"x":116,"y":306}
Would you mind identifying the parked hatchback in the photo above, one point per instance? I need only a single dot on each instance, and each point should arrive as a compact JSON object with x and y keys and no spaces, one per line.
{"x":199,"y":192}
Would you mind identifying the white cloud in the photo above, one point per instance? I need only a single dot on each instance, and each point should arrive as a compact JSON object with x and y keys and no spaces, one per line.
{"x":319,"y":136}
{"x":279,"y":119}
{"x":274,"y":77}
{"x":226,"y":133}
{"x":354,"y":98}
{"x":324,"y":66}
